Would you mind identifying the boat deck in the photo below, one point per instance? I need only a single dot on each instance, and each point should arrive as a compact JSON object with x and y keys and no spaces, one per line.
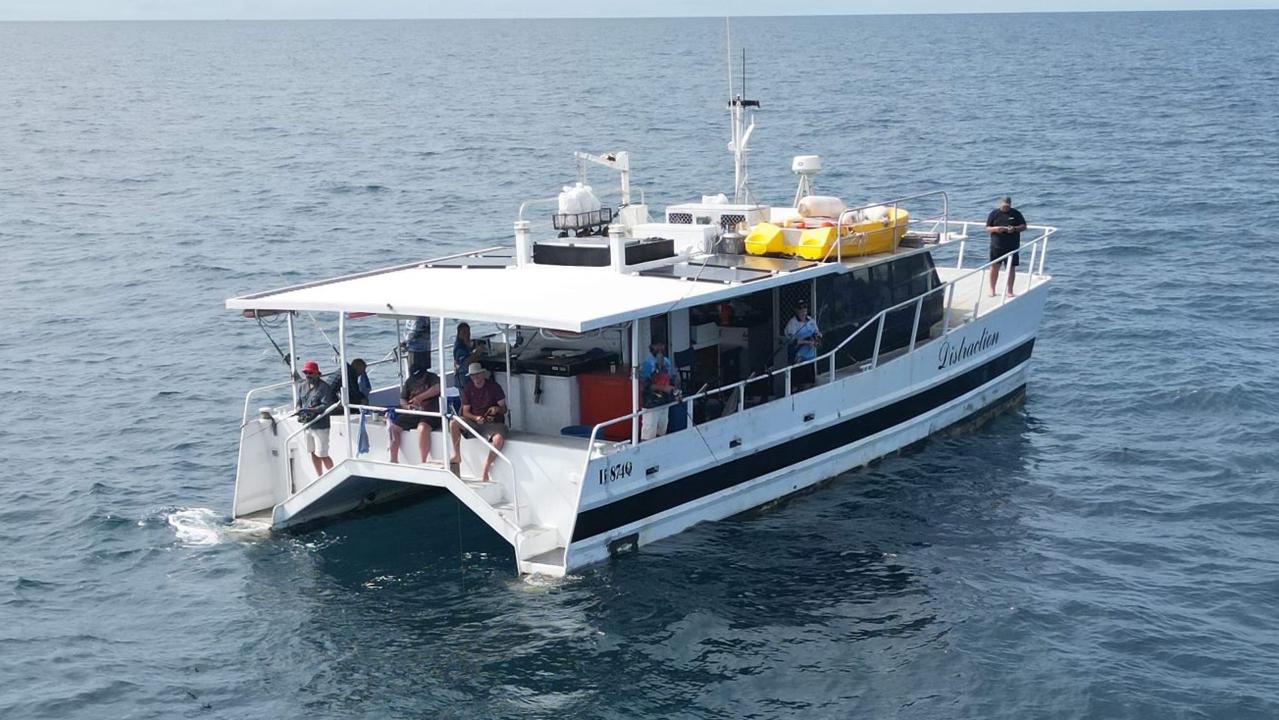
{"x":972,"y":292}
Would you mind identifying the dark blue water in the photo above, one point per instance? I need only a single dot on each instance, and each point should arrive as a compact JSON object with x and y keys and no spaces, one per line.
{"x":1106,"y":551}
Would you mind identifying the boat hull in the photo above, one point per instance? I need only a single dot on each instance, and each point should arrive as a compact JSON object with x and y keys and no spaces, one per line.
{"x":823,"y":432}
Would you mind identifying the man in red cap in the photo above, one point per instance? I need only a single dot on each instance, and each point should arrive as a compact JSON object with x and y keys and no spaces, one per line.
{"x":314,"y":397}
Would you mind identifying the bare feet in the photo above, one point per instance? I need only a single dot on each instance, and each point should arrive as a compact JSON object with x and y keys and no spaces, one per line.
{"x":455,"y":460}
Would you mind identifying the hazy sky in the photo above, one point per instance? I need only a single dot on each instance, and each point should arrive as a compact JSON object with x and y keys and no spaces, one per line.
{"x":256,"y":9}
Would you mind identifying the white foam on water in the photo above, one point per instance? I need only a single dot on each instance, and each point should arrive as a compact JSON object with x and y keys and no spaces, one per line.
{"x":197,"y":526}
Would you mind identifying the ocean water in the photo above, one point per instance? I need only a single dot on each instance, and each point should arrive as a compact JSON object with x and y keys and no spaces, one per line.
{"x":1108,"y":550}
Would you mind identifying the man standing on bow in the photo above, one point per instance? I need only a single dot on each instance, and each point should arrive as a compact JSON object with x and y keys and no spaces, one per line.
{"x":1004,"y":224}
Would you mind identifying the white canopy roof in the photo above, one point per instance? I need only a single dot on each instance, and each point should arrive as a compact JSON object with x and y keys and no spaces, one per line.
{"x":561,"y":298}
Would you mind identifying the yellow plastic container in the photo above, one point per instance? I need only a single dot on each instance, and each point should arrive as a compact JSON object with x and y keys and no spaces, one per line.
{"x":765,"y":239}
{"x":813,"y":243}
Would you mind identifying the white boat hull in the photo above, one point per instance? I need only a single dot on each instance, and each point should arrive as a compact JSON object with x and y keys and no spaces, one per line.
{"x":855,"y":421}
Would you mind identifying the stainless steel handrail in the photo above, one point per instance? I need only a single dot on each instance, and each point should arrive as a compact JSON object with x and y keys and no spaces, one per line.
{"x":895,"y":204}
{"x":466,"y":427}
{"x":288,"y":442}
{"x":247,"y":396}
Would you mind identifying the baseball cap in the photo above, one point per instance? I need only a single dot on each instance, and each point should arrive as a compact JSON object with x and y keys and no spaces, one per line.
{"x":311,"y":366}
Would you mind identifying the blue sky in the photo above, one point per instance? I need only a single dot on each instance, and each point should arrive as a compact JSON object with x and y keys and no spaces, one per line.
{"x":258,"y":9}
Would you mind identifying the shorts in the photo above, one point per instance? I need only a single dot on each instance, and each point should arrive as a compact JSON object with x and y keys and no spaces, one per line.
{"x":999,"y":248}
{"x":653,"y":423}
{"x":410,"y":422}
{"x":489,"y":430}
{"x":317,"y":441}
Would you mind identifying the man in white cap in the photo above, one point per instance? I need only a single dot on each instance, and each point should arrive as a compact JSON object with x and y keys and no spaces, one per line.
{"x":484,"y":411}
{"x":1004,"y":224}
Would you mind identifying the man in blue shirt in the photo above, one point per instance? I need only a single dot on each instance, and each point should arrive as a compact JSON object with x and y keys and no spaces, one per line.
{"x":802,"y":339}
{"x":1004,"y":224}
{"x":657,"y":382}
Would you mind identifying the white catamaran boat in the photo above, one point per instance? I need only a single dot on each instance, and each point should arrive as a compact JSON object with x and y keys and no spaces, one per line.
{"x":909,"y":348}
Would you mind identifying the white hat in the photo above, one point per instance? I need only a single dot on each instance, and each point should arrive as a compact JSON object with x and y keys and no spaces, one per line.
{"x":475,"y":369}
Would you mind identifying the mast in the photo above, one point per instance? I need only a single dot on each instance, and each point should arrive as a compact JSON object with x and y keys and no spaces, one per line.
{"x":741,"y":132}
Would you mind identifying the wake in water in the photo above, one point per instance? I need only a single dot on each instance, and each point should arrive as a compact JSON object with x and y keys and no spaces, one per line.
{"x":195,"y":527}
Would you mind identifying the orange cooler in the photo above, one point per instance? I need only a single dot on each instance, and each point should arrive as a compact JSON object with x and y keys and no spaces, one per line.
{"x":606,"y":396}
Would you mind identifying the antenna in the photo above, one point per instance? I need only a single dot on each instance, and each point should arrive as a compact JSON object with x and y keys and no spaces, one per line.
{"x":741,"y":134}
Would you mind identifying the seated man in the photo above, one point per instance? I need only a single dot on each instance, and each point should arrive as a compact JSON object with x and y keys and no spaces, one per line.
{"x":357,"y":379}
{"x":657,"y":380}
{"x":314,"y":397}
{"x":421,"y":392}
{"x":357,"y":374}
{"x":802,"y":339}
{"x":484,"y":411}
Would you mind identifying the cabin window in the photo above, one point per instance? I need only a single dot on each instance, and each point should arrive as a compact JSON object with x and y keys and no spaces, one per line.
{"x":881,"y":284}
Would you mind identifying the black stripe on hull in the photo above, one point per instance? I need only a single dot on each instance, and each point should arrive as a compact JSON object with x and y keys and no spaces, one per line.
{"x":741,"y":470}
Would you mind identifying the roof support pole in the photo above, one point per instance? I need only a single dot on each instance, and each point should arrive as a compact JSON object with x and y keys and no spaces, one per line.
{"x":439,"y":348}
{"x":443,"y":404}
{"x":635,"y":384}
{"x":343,"y":375}
{"x":506,"y":341}
{"x":293,"y":361}
{"x":399,"y":350}
{"x":523,"y":245}
{"x":446,"y":410}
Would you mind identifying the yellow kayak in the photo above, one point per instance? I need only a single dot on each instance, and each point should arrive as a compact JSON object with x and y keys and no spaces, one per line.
{"x":817,"y":243}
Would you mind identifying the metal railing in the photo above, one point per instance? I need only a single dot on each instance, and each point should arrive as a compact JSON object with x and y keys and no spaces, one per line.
{"x":287,"y":455}
{"x":466,"y":428}
{"x":519,"y":216}
{"x":895,"y":205}
{"x":1038,"y":247}
{"x":244,"y":420}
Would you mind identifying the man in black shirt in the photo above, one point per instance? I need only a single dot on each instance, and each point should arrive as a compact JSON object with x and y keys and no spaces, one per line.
{"x":1004,"y":224}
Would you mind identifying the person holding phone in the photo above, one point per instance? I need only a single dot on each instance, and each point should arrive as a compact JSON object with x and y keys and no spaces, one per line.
{"x":1004,"y":224}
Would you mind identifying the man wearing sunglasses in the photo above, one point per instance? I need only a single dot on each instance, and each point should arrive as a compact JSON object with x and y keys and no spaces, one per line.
{"x":314,"y":397}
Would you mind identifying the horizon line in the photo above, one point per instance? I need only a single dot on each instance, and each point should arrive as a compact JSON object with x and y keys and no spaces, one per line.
{"x":1119,"y":11}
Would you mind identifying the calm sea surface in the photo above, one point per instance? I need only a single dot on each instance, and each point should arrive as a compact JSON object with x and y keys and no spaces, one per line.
{"x":1107,"y":551}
